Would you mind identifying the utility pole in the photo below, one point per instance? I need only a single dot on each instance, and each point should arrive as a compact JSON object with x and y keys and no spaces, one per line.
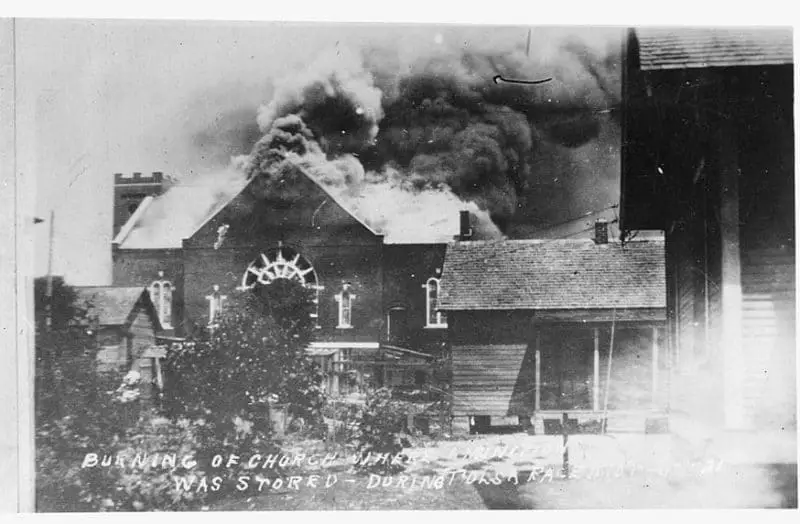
{"x":49,"y":293}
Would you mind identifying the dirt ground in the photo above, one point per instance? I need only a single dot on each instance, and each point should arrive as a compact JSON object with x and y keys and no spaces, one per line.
{"x":526,"y":472}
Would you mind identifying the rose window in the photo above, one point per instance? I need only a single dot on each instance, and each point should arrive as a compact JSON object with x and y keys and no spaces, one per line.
{"x":283,"y":262}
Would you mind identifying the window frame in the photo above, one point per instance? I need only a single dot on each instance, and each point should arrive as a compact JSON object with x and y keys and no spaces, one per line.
{"x":162,"y":285}
{"x":345,"y":295}
{"x":441,"y":318}
{"x":268,"y":259}
{"x":215,"y":308}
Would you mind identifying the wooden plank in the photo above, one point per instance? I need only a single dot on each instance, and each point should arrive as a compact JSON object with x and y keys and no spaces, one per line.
{"x":655,"y":366}
{"x":487,"y":379}
{"x":490,"y":347}
{"x":537,"y":402}
{"x":768,"y":316}
{"x":596,"y":371}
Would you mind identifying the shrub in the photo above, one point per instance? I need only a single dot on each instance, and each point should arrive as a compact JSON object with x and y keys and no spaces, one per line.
{"x":66,"y":485}
{"x":255,"y":355}
{"x":381,"y":432}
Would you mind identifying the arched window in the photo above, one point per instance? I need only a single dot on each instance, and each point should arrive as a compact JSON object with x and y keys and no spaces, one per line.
{"x":161,"y":295}
{"x":345,"y":299}
{"x":283,"y":262}
{"x":433,"y":318}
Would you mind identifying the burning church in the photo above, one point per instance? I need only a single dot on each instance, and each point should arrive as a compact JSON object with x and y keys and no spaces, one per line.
{"x":364,"y":172}
{"x":374,"y":300}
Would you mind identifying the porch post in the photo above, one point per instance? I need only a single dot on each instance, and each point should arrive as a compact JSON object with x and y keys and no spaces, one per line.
{"x":655,"y":367}
{"x":538,"y":363}
{"x":730,"y":348}
{"x":596,"y":375}
{"x":335,"y":374}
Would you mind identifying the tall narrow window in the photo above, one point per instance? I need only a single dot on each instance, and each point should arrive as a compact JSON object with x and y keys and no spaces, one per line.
{"x":315,"y":309}
{"x":434,"y":318}
{"x":161,"y":295}
{"x":345,"y":299}
{"x":215,"y":305}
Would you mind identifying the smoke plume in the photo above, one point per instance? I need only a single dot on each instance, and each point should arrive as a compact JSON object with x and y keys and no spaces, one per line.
{"x":412,"y":140}
{"x":407,"y":136}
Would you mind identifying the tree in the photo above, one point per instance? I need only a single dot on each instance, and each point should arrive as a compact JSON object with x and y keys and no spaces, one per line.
{"x":254,"y":355}
{"x":76,"y":409}
{"x":65,"y":368}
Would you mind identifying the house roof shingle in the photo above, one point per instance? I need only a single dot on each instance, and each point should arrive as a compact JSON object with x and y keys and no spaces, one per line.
{"x":553,"y":274}
{"x":111,"y":306}
{"x":696,"y":47}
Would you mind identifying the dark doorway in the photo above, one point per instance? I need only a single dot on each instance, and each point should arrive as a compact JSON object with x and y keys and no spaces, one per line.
{"x":397,"y":326}
{"x":566,"y":369}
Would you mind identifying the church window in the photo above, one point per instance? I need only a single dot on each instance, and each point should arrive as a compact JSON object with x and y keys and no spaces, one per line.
{"x":283,"y":263}
{"x":161,"y":295}
{"x":216,"y":302}
{"x":345,"y":299}
{"x":434,"y":318}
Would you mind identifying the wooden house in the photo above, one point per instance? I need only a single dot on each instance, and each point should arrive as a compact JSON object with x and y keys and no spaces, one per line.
{"x":530,"y":331}
{"x":126,"y":326}
{"x":708,"y":157}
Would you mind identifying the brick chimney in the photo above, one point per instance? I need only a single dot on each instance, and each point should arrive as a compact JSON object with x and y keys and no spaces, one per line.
{"x":601,"y":231}
{"x":465,"y":226}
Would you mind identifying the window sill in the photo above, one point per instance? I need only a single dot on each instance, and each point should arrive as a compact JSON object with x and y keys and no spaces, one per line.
{"x":344,"y":327}
{"x":436,"y":326}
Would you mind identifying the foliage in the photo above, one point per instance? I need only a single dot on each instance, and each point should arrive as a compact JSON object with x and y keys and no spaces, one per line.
{"x":381,"y":430}
{"x":253,"y":357}
{"x":344,"y":416}
{"x":66,"y":483}
{"x":222,"y":385}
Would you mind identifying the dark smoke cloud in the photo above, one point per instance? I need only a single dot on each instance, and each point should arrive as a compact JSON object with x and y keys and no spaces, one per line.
{"x":439,"y":123}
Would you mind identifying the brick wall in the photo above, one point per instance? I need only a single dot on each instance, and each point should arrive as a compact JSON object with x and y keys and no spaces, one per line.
{"x":360,"y":265}
{"x":407,"y":270}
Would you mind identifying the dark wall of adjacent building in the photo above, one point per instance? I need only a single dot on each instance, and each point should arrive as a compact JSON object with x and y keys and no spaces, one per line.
{"x":407,"y":268}
{"x":738,"y":119}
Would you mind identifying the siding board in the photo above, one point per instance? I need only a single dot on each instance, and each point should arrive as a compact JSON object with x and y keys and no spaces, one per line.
{"x":492,"y":379}
{"x":768,"y":317}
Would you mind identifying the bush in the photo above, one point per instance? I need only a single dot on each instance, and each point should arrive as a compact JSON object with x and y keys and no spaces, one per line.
{"x":112,"y":425}
{"x":381,"y":432}
{"x":220,"y":389}
{"x":254,"y":356}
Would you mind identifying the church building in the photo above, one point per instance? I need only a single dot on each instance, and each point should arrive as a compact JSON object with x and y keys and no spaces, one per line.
{"x":375,"y":301}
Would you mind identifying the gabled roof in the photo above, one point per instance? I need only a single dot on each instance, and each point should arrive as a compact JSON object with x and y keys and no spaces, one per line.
{"x":165,"y":221}
{"x":553,"y":274}
{"x":697,"y":47}
{"x":112,"y":306}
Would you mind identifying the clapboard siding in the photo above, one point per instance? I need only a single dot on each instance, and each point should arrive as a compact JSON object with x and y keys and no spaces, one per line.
{"x":142,"y":329}
{"x":768,"y":318}
{"x":492,"y":379}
